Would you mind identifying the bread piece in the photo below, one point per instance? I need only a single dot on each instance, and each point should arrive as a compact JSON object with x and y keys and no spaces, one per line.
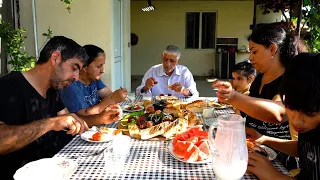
{"x":193,"y":120}
{"x":178,"y":126}
{"x":147,"y":103}
{"x":215,"y":104}
{"x":172,"y":110}
{"x":194,"y":109}
{"x":134,"y":131}
{"x":196,"y":106}
{"x":153,"y":131}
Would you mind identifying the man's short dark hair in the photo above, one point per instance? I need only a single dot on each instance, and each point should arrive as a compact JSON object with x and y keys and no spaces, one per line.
{"x":300,"y":88}
{"x":68,"y":48}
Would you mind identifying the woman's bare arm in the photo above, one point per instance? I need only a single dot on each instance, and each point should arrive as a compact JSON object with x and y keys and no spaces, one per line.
{"x":262,"y":109}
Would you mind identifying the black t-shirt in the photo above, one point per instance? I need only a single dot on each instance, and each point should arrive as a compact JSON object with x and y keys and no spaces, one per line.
{"x":21,"y":104}
{"x":268,"y":92}
{"x":309,"y":154}
{"x":270,"y":129}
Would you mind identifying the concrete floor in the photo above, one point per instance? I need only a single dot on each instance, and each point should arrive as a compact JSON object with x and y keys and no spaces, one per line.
{"x":204,"y":86}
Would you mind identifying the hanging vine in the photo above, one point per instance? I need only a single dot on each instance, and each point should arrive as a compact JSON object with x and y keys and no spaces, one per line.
{"x":68,"y":4}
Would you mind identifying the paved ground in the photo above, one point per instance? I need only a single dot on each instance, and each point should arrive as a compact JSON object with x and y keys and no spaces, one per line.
{"x":203,"y":85}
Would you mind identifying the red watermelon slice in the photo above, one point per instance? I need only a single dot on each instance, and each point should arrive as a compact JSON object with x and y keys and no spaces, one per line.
{"x":181,"y":148}
{"x":192,"y":154}
{"x":192,"y":145}
{"x":204,"y":147}
{"x":202,"y":156}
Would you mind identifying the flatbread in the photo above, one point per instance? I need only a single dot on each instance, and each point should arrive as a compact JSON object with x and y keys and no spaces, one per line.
{"x":134,"y":131}
{"x":153,"y":131}
{"x":178,"y":126}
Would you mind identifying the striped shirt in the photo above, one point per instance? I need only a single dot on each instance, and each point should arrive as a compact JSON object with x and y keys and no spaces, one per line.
{"x":309,"y":154}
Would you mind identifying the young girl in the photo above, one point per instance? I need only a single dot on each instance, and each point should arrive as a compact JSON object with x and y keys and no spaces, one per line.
{"x":243,"y":74}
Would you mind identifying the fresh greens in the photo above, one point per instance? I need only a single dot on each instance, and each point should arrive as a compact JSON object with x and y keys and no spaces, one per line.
{"x":137,"y":113}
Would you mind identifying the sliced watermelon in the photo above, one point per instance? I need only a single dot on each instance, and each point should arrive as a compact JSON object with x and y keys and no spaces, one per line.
{"x":192,"y":154}
{"x":204,"y":147}
{"x":193,"y":139}
{"x":180,"y":137}
{"x":202,"y":156}
{"x":181,"y":148}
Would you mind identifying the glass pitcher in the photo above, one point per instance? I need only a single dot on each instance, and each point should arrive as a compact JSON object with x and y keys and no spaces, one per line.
{"x":228,"y":146}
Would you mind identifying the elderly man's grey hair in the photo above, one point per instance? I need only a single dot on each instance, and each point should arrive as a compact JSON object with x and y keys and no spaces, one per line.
{"x":171,"y":49}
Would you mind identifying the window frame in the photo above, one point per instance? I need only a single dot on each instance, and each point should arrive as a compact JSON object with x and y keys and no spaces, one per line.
{"x":200,"y":30}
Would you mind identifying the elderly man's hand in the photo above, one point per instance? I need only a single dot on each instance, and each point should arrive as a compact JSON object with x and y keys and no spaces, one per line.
{"x":149,"y":84}
{"x":177,"y":87}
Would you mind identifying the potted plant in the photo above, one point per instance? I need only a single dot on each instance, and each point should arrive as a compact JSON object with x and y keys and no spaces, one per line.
{"x":18,"y":59}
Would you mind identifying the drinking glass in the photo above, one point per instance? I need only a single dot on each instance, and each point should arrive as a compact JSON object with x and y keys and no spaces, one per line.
{"x":121,"y":144}
{"x":132,"y":97}
{"x":114,"y":162}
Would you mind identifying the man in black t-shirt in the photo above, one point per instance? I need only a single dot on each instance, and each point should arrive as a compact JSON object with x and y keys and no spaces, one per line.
{"x":32,"y":115}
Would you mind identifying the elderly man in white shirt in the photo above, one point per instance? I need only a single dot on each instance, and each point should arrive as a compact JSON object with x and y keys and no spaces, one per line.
{"x":169,"y":77}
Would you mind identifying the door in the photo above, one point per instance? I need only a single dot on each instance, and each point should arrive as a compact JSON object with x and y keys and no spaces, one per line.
{"x":118,"y":55}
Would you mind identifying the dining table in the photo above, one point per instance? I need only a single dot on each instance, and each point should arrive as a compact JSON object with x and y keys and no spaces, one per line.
{"x":148,"y":159}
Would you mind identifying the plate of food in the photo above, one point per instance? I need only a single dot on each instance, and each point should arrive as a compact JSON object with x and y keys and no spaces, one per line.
{"x":261,"y":149}
{"x":191,"y":146}
{"x":104,"y":134}
{"x":47,"y":168}
{"x":133,"y":108}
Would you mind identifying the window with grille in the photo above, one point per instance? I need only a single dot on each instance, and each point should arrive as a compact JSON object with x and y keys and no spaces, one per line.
{"x":200,"y":30}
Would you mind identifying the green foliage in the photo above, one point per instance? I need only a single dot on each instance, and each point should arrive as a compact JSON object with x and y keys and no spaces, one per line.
{"x":310,"y":18}
{"x":68,"y":3}
{"x":48,"y":34}
{"x":14,"y":46}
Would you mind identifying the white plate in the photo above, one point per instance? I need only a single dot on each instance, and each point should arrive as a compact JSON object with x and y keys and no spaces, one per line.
{"x":47,"y":168}
{"x":88,"y":135}
{"x":126,"y":106}
{"x":170,"y":149}
{"x":272,"y":155}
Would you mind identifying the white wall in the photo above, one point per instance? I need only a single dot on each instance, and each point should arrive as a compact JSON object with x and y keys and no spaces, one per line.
{"x":90,"y":22}
{"x":166,"y":25}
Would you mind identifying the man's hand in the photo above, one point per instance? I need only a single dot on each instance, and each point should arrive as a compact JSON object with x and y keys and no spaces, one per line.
{"x":149,"y":84}
{"x":225,"y":92}
{"x":111,"y":114}
{"x":177,"y":87}
{"x":119,"y":95}
{"x":70,"y":122}
{"x":262,"y":167}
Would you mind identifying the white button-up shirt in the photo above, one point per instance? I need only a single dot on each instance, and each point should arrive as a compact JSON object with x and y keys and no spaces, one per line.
{"x":180,"y":74}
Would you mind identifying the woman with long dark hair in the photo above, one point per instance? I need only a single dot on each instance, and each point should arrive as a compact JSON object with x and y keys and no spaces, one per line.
{"x":271,"y":50}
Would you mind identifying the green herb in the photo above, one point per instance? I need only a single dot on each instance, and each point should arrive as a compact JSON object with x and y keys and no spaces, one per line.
{"x":133,"y":122}
{"x":138,"y":113}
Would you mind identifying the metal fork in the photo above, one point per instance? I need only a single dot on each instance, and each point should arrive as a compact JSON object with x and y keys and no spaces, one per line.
{"x":89,"y":154}
{"x":130,"y":100}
